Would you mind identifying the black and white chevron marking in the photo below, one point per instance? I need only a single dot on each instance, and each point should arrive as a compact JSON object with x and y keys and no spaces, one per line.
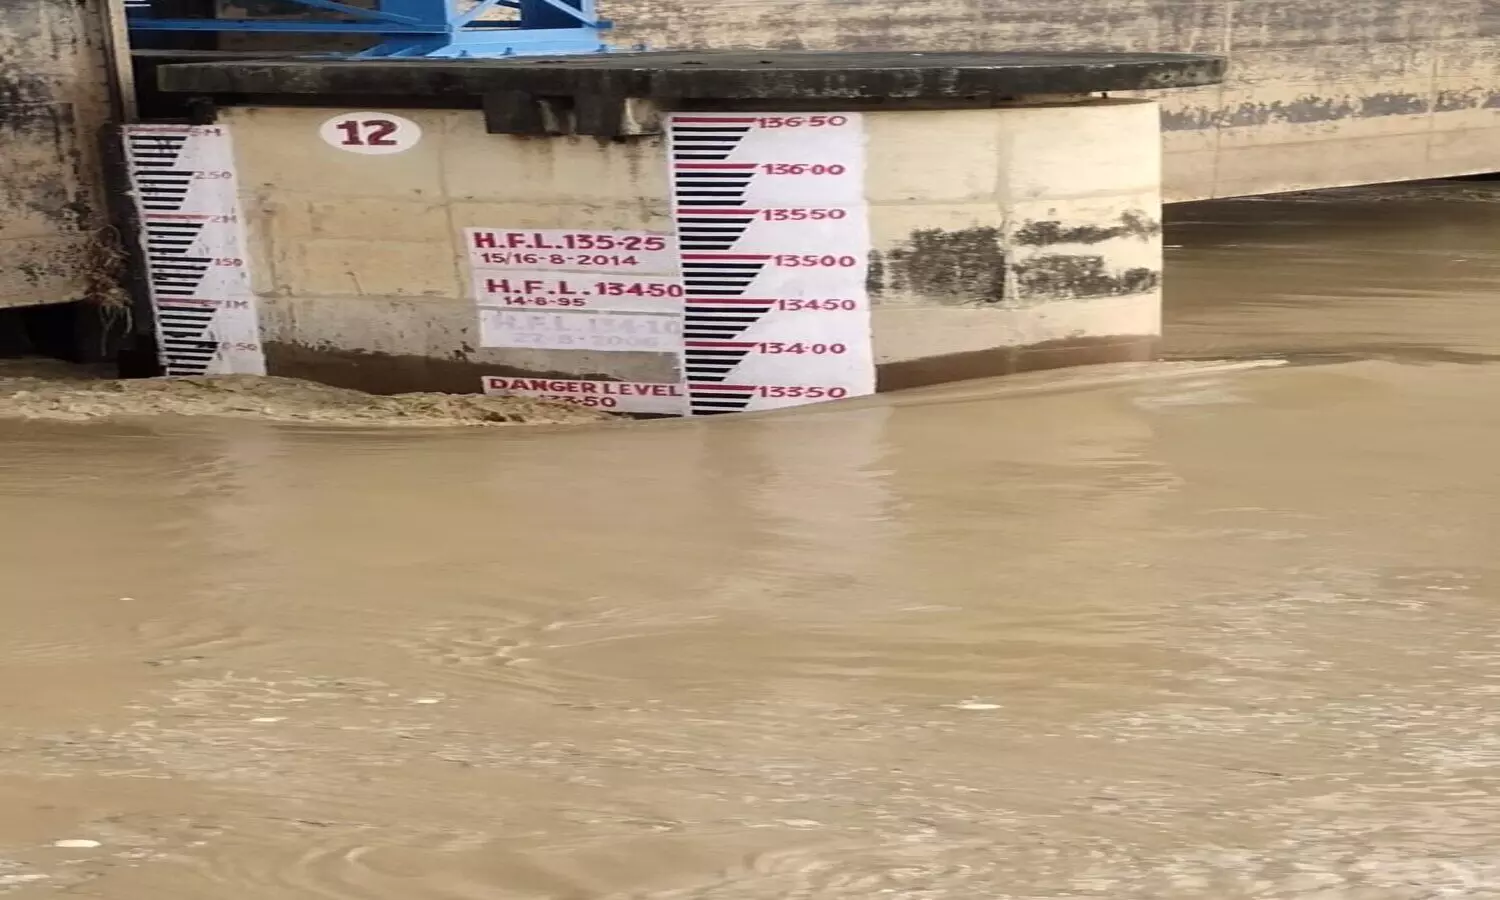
{"x":197,"y":314}
{"x":173,"y":273}
{"x":712,"y":229}
{"x":150,"y":150}
{"x":707,"y":138}
{"x":720,"y":274}
{"x":163,"y":190}
{"x":717,"y":399}
{"x":171,"y":237}
{"x":708,"y":318}
{"x":180,"y":278}
{"x":711,"y":184}
{"x":188,"y":343}
{"x":712,"y":361}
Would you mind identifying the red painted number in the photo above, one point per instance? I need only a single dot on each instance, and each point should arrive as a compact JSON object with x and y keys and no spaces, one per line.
{"x":802,"y":215}
{"x":801,"y":347}
{"x":801,"y":121}
{"x":802,"y":169}
{"x":809,"y":392}
{"x":367,"y":133}
{"x":809,"y":259}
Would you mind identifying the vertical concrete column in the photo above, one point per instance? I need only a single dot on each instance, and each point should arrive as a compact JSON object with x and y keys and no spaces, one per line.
{"x":54,"y":96}
{"x":1014,"y":238}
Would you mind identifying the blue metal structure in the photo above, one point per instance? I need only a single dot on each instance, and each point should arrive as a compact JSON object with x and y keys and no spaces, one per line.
{"x":423,"y":28}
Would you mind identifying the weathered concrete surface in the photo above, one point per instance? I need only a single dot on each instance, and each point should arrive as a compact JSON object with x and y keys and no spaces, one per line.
{"x":359,"y":264}
{"x":1319,"y":93}
{"x":1003,"y":238}
{"x":53,"y":99}
{"x":1013,"y":238}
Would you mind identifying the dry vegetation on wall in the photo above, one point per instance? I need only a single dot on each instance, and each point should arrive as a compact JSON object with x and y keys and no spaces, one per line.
{"x":107,"y":269}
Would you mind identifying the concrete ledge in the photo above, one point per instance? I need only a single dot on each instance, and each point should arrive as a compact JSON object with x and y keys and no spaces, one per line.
{"x":778,"y":75}
{"x":623,"y":94}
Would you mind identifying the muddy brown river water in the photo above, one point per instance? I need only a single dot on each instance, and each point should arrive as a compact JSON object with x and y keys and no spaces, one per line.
{"x":1177,"y":631}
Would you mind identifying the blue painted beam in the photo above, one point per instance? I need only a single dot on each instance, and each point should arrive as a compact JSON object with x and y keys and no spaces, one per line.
{"x":426,"y":27}
{"x":383,"y":14}
{"x":286,"y":25}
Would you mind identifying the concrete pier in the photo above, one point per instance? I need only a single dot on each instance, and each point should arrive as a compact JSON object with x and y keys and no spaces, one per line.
{"x":54,"y":98}
{"x":1012,"y":207}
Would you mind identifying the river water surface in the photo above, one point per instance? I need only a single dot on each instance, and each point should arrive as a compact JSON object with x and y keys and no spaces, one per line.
{"x":1177,"y":631}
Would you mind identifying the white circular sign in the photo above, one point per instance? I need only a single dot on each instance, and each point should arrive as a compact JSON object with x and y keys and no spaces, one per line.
{"x":371,"y":133}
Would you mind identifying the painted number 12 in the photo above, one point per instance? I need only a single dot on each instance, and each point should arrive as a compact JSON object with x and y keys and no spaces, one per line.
{"x":371,"y":133}
{"x":368,"y":133}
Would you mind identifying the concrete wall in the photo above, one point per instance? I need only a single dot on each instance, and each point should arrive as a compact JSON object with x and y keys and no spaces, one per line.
{"x":1320,"y":93}
{"x":359,"y":263}
{"x":1002,"y":239}
{"x":1014,"y":239}
{"x":53,"y":99}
